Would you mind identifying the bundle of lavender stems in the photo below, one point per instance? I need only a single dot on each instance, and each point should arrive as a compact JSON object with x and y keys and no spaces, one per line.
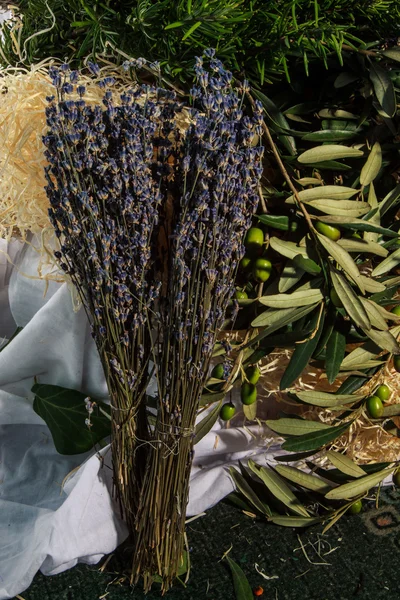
{"x":150,"y":221}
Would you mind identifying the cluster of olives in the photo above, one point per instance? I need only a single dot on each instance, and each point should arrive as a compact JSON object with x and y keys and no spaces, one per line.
{"x":248,"y":392}
{"x":374,"y":404}
{"x":253,"y":263}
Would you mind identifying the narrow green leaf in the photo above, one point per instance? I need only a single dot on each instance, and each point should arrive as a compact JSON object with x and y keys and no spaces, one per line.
{"x":286,"y":426}
{"x":288,"y":249}
{"x":327,"y":153}
{"x":336,"y":113}
{"x":315,"y":440}
{"x":241,"y":585}
{"x":206,"y":424}
{"x":383,"y":339}
{"x":375,"y":316}
{"x":326,"y":399}
{"x":64,"y":412}
{"x":273,"y":319}
{"x":302,"y":354}
{"x":329,"y":135}
{"x":286,"y":521}
{"x":250,"y":411}
{"x":384,"y":89}
{"x":343,"y":258}
{"x":290,"y":275}
{"x":345,"y":78}
{"x":373,"y":165}
{"x":392,"y":410}
{"x":334,"y":192}
{"x":388,"y":264}
{"x":243,"y":487}
{"x":191,"y":30}
{"x":299,"y":298}
{"x":350,"y":300}
{"x":393,"y":53}
{"x":335,"y":351}
{"x":372,"y":286}
{"x":360,"y":355}
{"x":278,"y":488}
{"x":345,"y":464}
{"x":277,"y":118}
{"x":174,"y":25}
{"x":309,"y":181}
{"x":346,"y":208}
{"x":390,"y":200}
{"x":310,"y":482}
{"x":307,"y":265}
{"x":358,"y":225}
{"x":283,"y":223}
{"x":357,"y":246}
{"x":358,"y":487}
{"x":375,"y":218}
{"x":211,"y":398}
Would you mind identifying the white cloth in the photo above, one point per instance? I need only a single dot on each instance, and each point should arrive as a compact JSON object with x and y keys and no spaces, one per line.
{"x":44,"y":524}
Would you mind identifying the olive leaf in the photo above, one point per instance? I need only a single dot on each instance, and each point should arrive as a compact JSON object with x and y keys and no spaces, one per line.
{"x":326,"y":399}
{"x":393,"y":53}
{"x":329,"y":135}
{"x":207,"y":423}
{"x":388,"y":264}
{"x":309,"y":181}
{"x":278,"y":488}
{"x":335,"y":351}
{"x":336,"y":113}
{"x":291,"y":274}
{"x":384,"y":89}
{"x":343,"y":258}
{"x":357,"y":224}
{"x":339,"y":207}
{"x":354,"y":245}
{"x":326,"y":153}
{"x":345,"y":464}
{"x":242,"y":485}
{"x":374,"y":315}
{"x":315,"y":439}
{"x":334,"y":192}
{"x":360,"y":355}
{"x":285,"y":521}
{"x":287,"y":426}
{"x":373,"y":165}
{"x":250,"y":411}
{"x":278,"y":119}
{"x":299,"y":298}
{"x":350,"y":300}
{"x":390,"y":200}
{"x":307,"y":265}
{"x":241,"y":585}
{"x":287,"y":249}
{"x":283,"y":223}
{"x":372,"y":286}
{"x":273,"y":319}
{"x":383,"y":339}
{"x":358,"y":487}
{"x":310,"y":482}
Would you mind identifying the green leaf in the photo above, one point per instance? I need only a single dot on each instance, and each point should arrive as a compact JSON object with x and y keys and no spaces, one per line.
{"x":174,"y":25}
{"x":241,"y":585}
{"x":350,"y":300}
{"x":309,"y":181}
{"x":315,"y":440}
{"x":335,"y":351}
{"x":388,"y":264}
{"x":327,"y":153}
{"x":211,"y":398}
{"x":274,"y":319}
{"x":334,"y":192}
{"x":307,"y":265}
{"x":299,"y":298}
{"x":339,"y":207}
{"x":285,"y":521}
{"x":345,"y":78}
{"x":373,"y":165}
{"x":302,"y":353}
{"x":358,"y":225}
{"x":287,"y":426}
{"x":358,"y":487}
{"x":283,"y":223}
{"x":278,"y":488}
{"x":375,"y":316}
{"x":250,"y":411}
{"x":288,"y":249}
{"x":326,"y":399}
{"x":290,"y":275}
{"x":336,"y":113}
{"x":343,"y":258}
{"x":384,"y":89}
{"x":243,"y":487}
{"x":354,"y":245}
{"x":191,"y":30}
{"x":372,"y":286}
{"x":277,"y":118}
{"x":383,"y":339}
{"x":390,"y":200}
{"x":310,"y":482}
{"x":345,"y":464}
{"x":360,"y":355}
{"x":392,"y":410}
{"x":329,"y":135}
{"x":393,"y":53}
{"x":206,"y":424}
{"x":64,"y":412}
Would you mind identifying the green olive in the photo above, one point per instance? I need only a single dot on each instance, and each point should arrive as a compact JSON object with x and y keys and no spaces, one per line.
{"x":227,"y":411}
{"x":333,"y":233}
{"x":248,"y":393}
{"x":396,"y":310}
{"x":356,"y":507}
{"x":374,"y":407}
{"x":218,"y":371}
{"x":245,"y":263}
{"x":262,"y":269}
{"x":241,"y":295}
{"x":383,"y":392}
{"x":253,"y":374}
{"x":254,"y":240}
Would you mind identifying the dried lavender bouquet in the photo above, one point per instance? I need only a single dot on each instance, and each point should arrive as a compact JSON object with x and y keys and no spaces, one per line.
{"x":151,"y":222}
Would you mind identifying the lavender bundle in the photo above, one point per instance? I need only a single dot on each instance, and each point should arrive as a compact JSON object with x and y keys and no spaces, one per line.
{"x":150,"y":223}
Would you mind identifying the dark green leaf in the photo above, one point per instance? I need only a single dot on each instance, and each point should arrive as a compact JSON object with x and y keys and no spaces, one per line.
{"x":248,"y":492}
{"x":316,"y":440}
{"x":64,"y":412}
{"x":277,"y":118}
{"x":335,"y":351}
{"x":242,"y":587}
{"x":307,"y":264}
{"x":302,"y":354}
{"x":358,"y":225}
{"x":206,"y":424}
{"x":285,"y":521}
{"x":282,"y":223}
{"x":329,"y":135}
{"x":384,"y":89}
